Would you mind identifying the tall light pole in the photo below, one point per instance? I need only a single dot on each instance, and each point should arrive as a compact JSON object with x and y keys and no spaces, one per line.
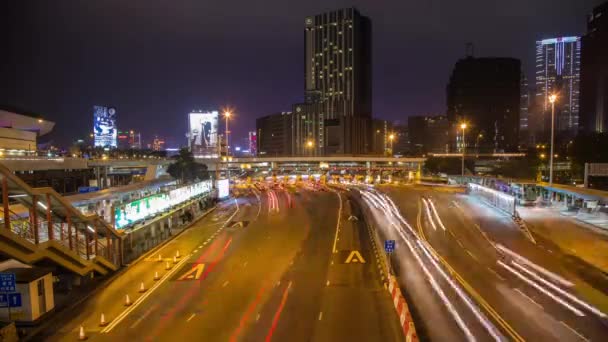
{"x":463,"y":126}
{"x":227,"y":115}
{"x":390,"y":139}
{"x":552,"y":99}
{"x":310,"y":144}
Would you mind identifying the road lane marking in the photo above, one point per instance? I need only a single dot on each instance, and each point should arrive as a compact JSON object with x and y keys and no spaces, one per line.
{"x":529,"y":298}
{"x":277,"y":314}
{"x":257,"y":317}
{"x":194,"y":273}
{"x":496,"y":274}
{"x":327,"y":284}
{"x":334,"y":250}
{"x":320,"y":315}
{"x":574,"y":331}
{"x":191,"y":317}
{"x":139,"y":300}
{"x":245,"y":264}
{"x":225,"y":283}
{"x":472,"y":255}
{"x":355,"y":257}
{"x":143,"y":316}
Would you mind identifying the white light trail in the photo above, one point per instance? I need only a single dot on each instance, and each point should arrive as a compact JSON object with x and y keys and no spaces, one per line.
{"x":527,"y":262}
{"x":539,"y":288}
{"x":436,"y":214}
{"x":428,"y":213}
{"x":560,"y":291}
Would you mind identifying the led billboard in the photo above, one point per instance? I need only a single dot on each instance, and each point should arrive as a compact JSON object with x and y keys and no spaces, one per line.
{"x":223,"y":188}
{"x":203,"y":134}
{"x":104,"y":126}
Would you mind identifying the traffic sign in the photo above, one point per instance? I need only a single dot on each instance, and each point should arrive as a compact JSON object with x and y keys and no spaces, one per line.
{"x":389,"y":246}
{"x":7,"y":282}
{"x":12,"y":300}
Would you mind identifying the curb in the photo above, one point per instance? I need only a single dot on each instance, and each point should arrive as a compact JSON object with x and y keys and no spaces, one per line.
{"x":403,"y":311}
{"x":109,"y":280}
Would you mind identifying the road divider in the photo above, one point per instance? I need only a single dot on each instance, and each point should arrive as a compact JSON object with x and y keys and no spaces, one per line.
{"x":403,"y":311}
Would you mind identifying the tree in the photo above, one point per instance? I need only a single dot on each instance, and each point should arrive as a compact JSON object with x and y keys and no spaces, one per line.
{"x":186,"y":169}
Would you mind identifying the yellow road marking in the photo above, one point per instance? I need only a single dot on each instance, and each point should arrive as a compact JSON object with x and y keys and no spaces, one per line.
{"x":194,"y":273}
{"x":355,"y":257}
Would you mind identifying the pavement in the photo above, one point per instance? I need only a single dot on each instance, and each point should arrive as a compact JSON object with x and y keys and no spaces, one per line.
{"x":273,"y":269}
{"x":509,"y":279}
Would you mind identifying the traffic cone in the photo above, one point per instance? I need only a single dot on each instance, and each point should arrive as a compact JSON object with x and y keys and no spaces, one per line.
{"x":127,"y":300}
{"x":175,"y":260}
{"x":160,"y":258}
{"x":142,"y":287}
{"x":168,"y":266}
{"x":102,"y":321}
{"x":156,"y":276}
{"x":81,"y":335}
{"x":177,"y":254}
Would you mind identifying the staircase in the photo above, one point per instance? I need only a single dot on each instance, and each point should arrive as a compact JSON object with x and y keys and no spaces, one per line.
{"x":48,"y":229}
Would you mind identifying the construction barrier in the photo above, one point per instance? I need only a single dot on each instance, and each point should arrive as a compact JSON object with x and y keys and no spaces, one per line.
{"x":403,"y":311}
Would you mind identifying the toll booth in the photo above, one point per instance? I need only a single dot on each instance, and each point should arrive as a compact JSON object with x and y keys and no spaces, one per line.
{"x":33,"y":296}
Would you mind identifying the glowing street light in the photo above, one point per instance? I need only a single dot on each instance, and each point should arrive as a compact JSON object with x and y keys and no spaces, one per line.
{"x":227,"y":115}
{"x":390,"y":139}
{"x":552,"y":99}
{"x":463,"y":126}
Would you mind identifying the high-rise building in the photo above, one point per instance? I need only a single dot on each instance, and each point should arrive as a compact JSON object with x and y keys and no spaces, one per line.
{"x":524,"y":105}
{"x":594,"y":72}
{"x":485,"y":94}
{"x":558,"y":72}
{"x":252,"y":139}
{"x":401,"y":145}
{"x":158,"y":144}
{"x":274,"y":137}
{"x":428,"y":134}
{"x":337,"y":56}
{"x":381,"y":133}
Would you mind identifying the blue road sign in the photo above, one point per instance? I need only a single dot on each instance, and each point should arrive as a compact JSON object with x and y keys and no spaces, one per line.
{"x":389,"y":246}
{"x":12,"y":300}
{"x":7,"y":282}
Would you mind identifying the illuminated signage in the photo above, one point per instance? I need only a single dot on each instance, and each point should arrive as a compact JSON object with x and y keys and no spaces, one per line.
{"x":149,"y":206}
{"x":223,"y":188}
{"x":559,"y":40}
{"x":203,"y":134}
{"x":104,"y":126}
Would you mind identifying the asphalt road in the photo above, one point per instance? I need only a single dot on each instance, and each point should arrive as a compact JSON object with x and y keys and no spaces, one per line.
{"x":510,"y":302}
{"x":266,"y":271}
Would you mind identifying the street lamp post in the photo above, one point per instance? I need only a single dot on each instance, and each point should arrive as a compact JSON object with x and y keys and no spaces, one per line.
{"x":463,"y":126}
{"x":552,"y":99}
{"x":390,"y":139}
{"x":227,"y":115}
{"x":309,"y":145}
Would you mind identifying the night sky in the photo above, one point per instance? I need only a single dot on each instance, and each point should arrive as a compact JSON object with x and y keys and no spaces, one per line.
{"x":156,"y":60}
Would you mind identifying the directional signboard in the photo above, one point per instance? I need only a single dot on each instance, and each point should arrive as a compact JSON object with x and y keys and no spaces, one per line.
{"x":12,"y":300}
{"x":389,"y":246}
{"x":7,"y":282}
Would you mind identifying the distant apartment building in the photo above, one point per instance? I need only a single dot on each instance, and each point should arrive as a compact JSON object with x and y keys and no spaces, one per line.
{"x":558,"y":63}
{"x":252,"y":138}
{"x":484,"y":93}
{"x":382,"y":130}
{"x":338,"y":77}
{"x":594,"y":73}
{"x":274,"y":135}
{"x":401,"y":145}
{"x":428,"y":134}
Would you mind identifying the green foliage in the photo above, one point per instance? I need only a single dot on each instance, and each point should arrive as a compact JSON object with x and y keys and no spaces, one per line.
{"x":451,"y":166}
{"x":525,"y":168}
{"x":186,"y":169}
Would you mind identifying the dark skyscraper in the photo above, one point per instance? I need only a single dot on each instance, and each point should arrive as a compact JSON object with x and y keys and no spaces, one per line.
{"x":485,"y":93}
{"x":337,"y":57}
{"x":594,"y":73}
{"x":274,"y":138}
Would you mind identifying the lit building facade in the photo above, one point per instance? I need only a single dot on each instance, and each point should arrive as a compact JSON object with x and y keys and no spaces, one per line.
{"x":337,"y":56}
{"x":594,"y":73}
{"x":558,"y":63}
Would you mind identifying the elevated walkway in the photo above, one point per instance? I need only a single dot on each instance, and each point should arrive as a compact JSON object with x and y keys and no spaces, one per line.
{"x":54,"y":233}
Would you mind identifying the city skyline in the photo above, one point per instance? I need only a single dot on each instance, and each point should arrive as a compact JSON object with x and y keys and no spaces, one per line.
{"x":108,"y":73}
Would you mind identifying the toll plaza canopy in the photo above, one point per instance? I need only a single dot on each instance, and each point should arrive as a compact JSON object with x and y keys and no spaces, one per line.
{"x":581,"y":193}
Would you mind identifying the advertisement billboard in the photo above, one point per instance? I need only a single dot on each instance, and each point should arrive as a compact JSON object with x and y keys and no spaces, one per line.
{"x":203,"y":134}
{"x":104,"y":126}
{"x":223,"y":188}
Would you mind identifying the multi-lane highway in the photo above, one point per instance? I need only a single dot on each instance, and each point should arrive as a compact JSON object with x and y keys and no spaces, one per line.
{"x":269,"y":265}
{"x":468,"y":269}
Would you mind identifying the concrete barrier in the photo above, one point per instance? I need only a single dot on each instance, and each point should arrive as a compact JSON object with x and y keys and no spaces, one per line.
{"x":403,"y":311}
